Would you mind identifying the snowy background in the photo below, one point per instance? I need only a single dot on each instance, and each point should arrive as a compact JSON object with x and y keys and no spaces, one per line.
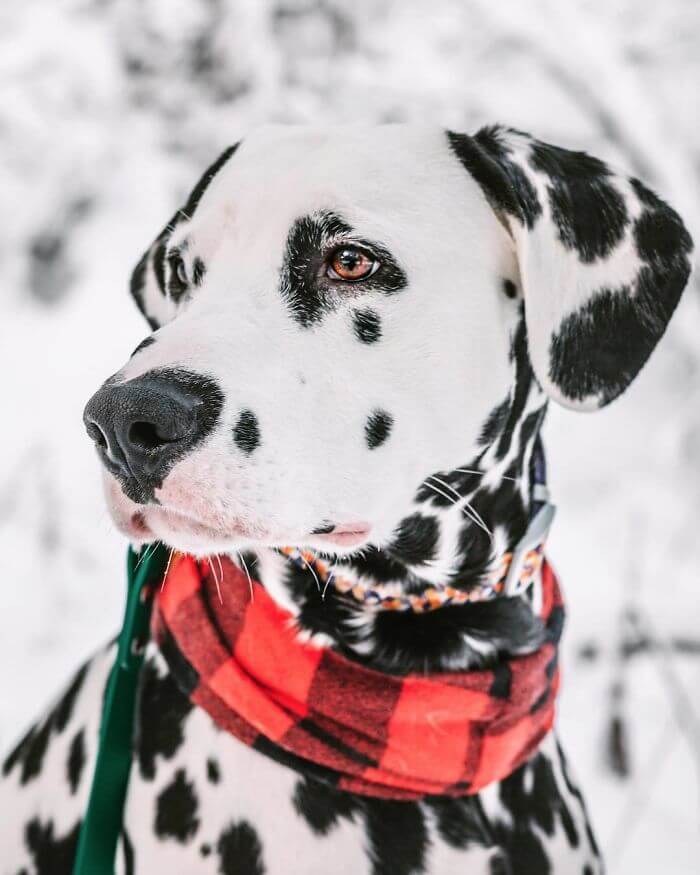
{"x":111,"y":109}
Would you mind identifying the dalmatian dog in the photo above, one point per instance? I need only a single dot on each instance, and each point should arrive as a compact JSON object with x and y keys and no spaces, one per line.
{"x":355,"y":335}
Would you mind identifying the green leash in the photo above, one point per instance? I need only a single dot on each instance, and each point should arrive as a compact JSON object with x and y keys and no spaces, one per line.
{"x":104,"y":815}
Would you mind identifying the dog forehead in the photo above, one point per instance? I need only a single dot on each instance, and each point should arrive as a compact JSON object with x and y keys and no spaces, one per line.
{"x":282,"y":172}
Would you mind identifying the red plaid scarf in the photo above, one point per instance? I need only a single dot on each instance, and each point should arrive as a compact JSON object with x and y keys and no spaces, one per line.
{"x":237,"y":656}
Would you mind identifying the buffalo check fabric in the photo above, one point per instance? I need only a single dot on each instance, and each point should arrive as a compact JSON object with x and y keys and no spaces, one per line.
{"x":236,"y":654}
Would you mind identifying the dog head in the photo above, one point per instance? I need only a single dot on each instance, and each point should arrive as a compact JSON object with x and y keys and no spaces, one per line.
{"x":334,"y":315}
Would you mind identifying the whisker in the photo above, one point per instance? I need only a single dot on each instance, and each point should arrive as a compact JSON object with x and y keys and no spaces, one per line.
{"x":216,"y":581}
{"x":167,"y":568}
{"x":318,"y":584}
{"x":331,"y":573}
{"x":476,"y":516}
{"x":152,"y":547}
{"x":483,"y":474}
{"x":466,"y":509}
{"x":221,"y":567}
{"x":247,"y":574}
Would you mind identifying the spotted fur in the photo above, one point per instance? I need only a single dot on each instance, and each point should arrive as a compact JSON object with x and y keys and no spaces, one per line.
{"x":391,"y":423}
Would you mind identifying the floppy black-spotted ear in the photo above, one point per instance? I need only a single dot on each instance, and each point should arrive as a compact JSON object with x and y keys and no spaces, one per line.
{"x":152,"y":283}
{"x":603,"y":261}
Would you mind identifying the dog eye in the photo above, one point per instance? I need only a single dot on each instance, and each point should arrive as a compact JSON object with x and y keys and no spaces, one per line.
{"x":178,"y":282}
{"x":181,"y":272}
{"x":351,"y":264}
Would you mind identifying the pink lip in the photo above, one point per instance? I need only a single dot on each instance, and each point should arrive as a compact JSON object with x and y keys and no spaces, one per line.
{"x":346,"y":535}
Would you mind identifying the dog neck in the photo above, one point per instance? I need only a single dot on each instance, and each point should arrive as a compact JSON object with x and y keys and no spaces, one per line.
{"x":463,"y":521}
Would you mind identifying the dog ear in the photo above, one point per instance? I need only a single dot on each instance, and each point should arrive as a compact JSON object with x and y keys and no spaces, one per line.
{"x":603,"y":261}
{"x":149,"y":284}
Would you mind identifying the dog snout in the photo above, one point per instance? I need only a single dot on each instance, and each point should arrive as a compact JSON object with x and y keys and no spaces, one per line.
{"x":141,"y":427}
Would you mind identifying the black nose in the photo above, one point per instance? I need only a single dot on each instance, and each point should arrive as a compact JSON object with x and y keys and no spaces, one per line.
{"x":143,"y":426}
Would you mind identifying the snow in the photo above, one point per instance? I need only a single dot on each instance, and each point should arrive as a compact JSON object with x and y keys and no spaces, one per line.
{"x":109,"y":112}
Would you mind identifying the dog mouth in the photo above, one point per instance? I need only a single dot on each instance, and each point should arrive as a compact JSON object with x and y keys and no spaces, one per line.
{"x":342,"y":534}
{"x":144,"y":523}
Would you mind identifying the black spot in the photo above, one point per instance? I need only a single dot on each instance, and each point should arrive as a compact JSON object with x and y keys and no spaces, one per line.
{"x":146,"y":342}
{"x":322,"y":806}
{"x":240,"y":851}
{"x":416,"y":539}
{"x":494,"y":424}
{"x":576,"y":793}
{"x":397,"y":836}
{"x":162,"y":710}
{"x":589,"y":212}
{"x":406,"y":642}
{"x":31,"y":749}
{"x":246,"y":432}
{"x":176,"y":810}
{"x":660,"y":237}
{"x":205,"y":850}
{"x":538,"y":806}
{"x":76,"y":760}
{"x":368,"y":326}
{"x":510,"y":289}
{"x":378,"y":428}
{"x":51,"y":855}
{"x":599,"y":349}
{"x":461,"y":822}
{"x":304,"y":286}
{"x":63,"y":711}
{"x":520,"y":393}
{"x":645,"y":195}
{"x":128,"y":851}
{"x":213,"y":771}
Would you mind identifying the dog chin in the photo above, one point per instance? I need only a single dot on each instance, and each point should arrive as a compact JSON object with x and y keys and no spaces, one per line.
{"x":143,"y":524}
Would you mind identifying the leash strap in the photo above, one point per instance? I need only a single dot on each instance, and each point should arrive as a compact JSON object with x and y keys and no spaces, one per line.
{"x":104,"y":814}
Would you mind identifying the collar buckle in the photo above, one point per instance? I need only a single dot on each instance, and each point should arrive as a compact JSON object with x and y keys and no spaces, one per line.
{"x":519,"y":579}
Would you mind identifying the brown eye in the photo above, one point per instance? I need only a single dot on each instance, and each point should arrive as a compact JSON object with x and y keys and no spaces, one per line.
{"x":351,"y":264}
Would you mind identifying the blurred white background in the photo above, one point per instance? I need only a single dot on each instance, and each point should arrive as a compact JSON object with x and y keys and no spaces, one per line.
{"x":109,"y":112}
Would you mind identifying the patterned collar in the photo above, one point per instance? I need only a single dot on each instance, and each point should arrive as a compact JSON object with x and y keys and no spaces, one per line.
{"x":517,"y":573}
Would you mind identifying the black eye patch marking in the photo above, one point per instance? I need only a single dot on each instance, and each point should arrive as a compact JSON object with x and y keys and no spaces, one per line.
{"x":147,"y":341}
{"x":416,"y":539}
{"x":589,"y":213}
{"x":246,"y":432}
{"x":377,"y":428}
{"x":510,"y":289}
{"x":504,"y":183}
{"x":303,"y":284}
{"x":367,"y":325}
